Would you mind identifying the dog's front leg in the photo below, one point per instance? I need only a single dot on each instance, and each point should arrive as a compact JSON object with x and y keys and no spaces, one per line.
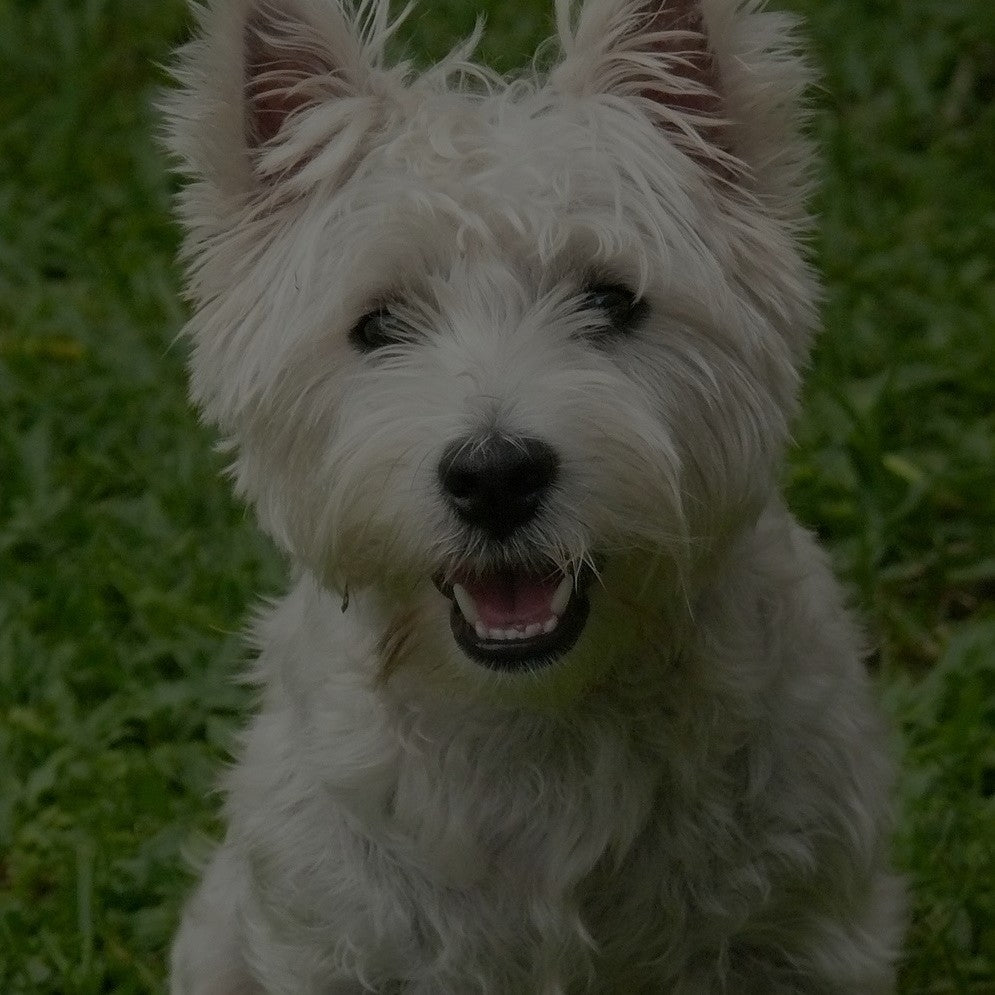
{"x":207,"y":956}
{"x":213,"y":946}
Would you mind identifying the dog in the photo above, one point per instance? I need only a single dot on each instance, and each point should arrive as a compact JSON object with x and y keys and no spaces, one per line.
{"x":561,"y":698}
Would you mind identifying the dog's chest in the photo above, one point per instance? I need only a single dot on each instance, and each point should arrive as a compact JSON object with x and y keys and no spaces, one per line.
{"x":514,"y":910}
{"x":520,"y":859}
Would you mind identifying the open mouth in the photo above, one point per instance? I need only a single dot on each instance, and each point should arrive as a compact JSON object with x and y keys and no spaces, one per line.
{"x":515,"y":618}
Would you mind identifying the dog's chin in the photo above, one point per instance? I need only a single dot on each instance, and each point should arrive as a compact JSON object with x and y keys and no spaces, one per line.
{"x":516,"y":619}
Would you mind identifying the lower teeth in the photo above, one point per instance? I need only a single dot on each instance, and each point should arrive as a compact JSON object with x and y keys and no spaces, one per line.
{"x":510,"y":635}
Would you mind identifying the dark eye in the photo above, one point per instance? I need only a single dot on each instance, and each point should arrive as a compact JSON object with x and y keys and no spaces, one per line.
{"x":621,"y":308}
{"x":375,"y":330}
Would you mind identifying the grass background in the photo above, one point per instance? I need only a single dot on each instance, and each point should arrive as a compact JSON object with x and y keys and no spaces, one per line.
{"x":126,"y":570}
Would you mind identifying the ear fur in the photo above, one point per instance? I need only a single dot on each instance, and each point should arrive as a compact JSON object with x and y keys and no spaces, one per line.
{"x":286,"y":70}
{"x":723,"y":79}
{"x":652,"y":50}
{"x":268,"y":85}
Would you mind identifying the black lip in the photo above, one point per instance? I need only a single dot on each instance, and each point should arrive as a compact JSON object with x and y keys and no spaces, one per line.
{"x":524,"y":654}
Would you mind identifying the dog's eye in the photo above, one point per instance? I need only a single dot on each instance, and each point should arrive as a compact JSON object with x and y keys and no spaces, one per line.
{"x":621,"y":308}
{"x":375,"y":330}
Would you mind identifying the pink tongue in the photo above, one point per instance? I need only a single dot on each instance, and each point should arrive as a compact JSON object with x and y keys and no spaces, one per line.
{"x":509,"y":600}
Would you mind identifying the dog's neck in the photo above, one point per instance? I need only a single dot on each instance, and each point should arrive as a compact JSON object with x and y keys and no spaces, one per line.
{"x":638,"y":730}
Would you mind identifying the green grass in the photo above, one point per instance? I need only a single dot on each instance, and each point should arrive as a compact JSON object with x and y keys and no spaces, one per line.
{"x":126,"y":570}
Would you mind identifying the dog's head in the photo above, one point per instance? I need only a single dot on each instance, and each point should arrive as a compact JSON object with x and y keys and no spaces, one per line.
{"x":505,"y":353}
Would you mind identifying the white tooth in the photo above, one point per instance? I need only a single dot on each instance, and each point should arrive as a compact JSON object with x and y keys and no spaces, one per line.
{"x":562,"y":595}
{"x":495,"y":634}
{"x":533,"y":630}
{"x":480,"y":629}
{"x":466,"y":605}
{"x":550,"y":624}
{"x":513,"y":634}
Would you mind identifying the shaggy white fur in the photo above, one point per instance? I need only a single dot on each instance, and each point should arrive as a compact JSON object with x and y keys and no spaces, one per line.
{"x":589,"y":281}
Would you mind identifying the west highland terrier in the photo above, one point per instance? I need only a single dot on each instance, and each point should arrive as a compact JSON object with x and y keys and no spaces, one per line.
{"x":562,"y":699}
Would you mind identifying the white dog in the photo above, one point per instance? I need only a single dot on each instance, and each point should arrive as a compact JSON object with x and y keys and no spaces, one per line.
{"x":561,"y":699}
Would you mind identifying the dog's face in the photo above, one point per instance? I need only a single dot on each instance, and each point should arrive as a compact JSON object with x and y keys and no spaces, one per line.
{"x":505,"y":355}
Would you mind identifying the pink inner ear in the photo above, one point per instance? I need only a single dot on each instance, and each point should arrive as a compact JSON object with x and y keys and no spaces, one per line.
{"x":277,"y":68}
{"x":694,"y":61}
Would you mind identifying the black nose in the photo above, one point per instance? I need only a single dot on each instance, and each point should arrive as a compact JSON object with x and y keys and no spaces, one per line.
{"x":497,"y":483}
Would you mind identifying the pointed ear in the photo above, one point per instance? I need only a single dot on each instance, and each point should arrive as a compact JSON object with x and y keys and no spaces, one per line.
{"x":655,"y":52}
{"x":270,"y":87}
{"x":721,"y":77}
{"x":287,"y":68}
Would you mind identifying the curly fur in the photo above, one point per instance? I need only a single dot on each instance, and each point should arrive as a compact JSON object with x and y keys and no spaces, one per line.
{"x":695,"y":798}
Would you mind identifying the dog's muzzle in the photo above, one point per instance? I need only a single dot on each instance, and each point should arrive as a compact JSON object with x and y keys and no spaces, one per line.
{"x":516,"y":617}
